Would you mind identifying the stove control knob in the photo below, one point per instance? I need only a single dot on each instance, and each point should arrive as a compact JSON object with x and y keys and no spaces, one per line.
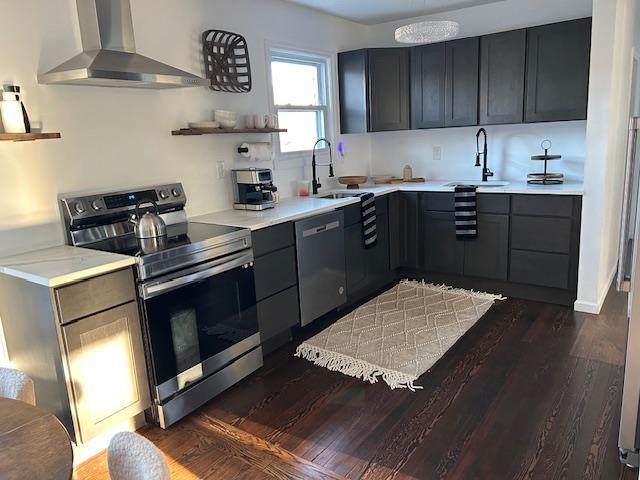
{"x":96,"y":205}
{"x":163,"y":194}
{"x":79,"y":207}
{"x":176,"y":192}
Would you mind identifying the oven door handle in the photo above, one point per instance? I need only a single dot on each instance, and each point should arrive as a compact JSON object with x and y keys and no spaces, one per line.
{"x":164,"y":286}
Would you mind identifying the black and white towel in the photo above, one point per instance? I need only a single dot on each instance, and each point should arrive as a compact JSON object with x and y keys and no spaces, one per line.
{"x":466,"y":216}
{"x":369,"y":220}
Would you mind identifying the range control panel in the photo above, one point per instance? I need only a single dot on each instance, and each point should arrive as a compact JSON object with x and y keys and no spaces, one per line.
{"x":86,"y":207}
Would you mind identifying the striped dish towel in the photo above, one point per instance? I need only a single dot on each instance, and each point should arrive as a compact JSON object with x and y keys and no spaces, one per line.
{"x":369,"y":220}
{"x":466,"y":216}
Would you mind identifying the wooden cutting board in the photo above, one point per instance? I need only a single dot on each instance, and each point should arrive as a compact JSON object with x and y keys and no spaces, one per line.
{"x":396,"y":181}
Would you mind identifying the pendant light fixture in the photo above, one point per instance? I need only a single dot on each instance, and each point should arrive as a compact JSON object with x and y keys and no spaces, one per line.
{"x":428,"y":31}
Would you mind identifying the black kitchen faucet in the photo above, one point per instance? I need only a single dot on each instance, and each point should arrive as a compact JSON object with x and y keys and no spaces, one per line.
{"x":486,"y":173}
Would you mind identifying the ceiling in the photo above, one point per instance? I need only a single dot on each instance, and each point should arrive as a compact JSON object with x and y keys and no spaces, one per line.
{"x":371,"y":12}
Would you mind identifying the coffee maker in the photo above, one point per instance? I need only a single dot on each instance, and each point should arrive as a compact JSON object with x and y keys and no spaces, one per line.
{"x":253,"y":189}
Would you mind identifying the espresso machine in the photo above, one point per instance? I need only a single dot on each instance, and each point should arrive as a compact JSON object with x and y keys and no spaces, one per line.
{"x":253,"y":189}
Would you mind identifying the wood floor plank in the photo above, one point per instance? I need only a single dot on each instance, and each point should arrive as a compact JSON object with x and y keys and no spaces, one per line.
{"x":532,"y":391}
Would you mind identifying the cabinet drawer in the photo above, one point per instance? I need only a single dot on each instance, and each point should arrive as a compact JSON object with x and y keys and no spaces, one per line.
{"x":271,"y":239}
{"x":438,"y":201}
{"x":95,"y":295}
{"x":543,"y":205}
{"x":543,"y":269}
{"x":544,"y":234}
{"x":493,"y":203}
{"x":352,"y":215}
{"x":275,"y":272}
{"x":278,"y":313}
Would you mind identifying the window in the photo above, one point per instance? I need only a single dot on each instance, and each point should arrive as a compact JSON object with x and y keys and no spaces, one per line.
{"x":301,"y":99}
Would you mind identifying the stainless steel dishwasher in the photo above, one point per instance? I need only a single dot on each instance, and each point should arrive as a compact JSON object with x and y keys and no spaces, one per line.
{"x":321,"y":265}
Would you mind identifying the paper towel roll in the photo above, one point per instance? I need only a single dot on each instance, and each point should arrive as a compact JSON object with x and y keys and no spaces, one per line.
{"x":256,"y":152}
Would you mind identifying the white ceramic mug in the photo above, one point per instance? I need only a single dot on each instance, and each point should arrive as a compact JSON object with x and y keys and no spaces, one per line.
{"x":249,"y":122}
{"x":272,"y":121}
{"x":259,"y":121}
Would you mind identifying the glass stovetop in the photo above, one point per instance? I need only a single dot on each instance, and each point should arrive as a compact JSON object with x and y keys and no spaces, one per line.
{"x":177,"y":236}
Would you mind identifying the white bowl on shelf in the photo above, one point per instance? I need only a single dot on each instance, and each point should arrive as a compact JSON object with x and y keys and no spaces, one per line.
{"x":226,"y":118}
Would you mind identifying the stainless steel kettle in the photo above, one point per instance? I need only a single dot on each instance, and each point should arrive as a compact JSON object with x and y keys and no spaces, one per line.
{"x":149,"y":225}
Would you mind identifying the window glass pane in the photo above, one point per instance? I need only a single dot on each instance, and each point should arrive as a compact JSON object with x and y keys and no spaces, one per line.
{"x":295,"y":83}
{"x":304,"y":128}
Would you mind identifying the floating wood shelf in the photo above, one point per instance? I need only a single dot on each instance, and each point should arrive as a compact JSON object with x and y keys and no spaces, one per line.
{"x":27,"y":137}
{"x":210,"y":131}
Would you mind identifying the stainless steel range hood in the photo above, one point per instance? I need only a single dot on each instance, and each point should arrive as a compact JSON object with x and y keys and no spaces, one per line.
{"x":109,"y":57}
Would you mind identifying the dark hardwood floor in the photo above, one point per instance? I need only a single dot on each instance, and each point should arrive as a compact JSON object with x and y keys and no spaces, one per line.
{"x":532,"y":391}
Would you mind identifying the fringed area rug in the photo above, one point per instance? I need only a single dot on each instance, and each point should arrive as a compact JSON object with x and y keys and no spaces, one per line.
{"x":399,"y":334}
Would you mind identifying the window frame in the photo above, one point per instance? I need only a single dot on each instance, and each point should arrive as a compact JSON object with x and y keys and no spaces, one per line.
{"x":326,"y":65}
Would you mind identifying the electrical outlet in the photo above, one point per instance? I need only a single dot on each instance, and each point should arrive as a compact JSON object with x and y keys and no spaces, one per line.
{"x":437,"y":153}
{"x":221,"y":170}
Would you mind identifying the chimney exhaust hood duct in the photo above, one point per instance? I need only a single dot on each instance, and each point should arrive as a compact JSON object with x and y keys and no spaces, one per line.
{"x":109,"y":57}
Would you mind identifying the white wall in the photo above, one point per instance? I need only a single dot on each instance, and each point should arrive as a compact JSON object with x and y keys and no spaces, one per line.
{"x":510,"y":146}
{"x":615,"y":27}
{"x":116,"y":138}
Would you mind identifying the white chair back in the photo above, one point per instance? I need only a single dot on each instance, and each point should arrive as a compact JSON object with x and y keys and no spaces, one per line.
{"x":17,"y":385}
{"x":133,"y":457}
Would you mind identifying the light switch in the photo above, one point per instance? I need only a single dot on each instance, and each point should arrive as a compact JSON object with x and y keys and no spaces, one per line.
{"x":437,"y":153}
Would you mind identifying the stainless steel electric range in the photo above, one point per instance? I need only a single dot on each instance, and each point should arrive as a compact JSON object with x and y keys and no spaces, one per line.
{"x":196,"y":290}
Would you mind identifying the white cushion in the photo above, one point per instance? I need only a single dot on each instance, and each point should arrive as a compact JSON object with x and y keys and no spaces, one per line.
{"x":133,"y":457}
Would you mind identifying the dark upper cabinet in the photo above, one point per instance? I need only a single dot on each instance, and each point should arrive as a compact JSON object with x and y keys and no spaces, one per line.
{"x":352,"y":80}
{"x":488,"y":255}
{"x":388,"y":89}
{"x":502,"y":74}
{"x":558,"y":71}
{"x":427,"y":86}
{"x":461,"y":82}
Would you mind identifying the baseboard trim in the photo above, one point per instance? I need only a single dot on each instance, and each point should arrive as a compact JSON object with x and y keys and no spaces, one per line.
{"x":595,"y":308}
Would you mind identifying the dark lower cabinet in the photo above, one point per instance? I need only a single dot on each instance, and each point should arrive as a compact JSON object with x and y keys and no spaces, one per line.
{"x":502,"y":73}
{"x":527,"y":245}
{"x":276,"y":281}
{"x":461,"y":82}
{"x":488,"y":255}
{"x":558,"y":58}
{"x":388,"y":89}
{"x":403,"y":229}
{"x":367,"y":269}
{"x":427,"y":86}
{"x":441,"y":252}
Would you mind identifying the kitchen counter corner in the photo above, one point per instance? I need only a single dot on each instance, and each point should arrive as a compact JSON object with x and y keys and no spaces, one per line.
{"x":62,"y":265}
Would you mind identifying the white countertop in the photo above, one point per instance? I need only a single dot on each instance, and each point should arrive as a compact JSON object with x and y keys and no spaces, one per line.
{"x":57,"y":266}
{"x":296,"y":208}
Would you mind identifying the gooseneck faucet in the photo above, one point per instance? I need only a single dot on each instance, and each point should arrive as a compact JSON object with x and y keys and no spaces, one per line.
{"x":486,"y":173}
{"x":316,"y":181}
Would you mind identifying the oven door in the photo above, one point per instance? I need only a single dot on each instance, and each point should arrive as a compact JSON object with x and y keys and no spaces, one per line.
{"x":199,"y":320}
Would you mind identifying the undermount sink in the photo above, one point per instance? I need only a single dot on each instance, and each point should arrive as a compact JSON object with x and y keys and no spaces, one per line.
{"x":488,"y":184}
{"x":339,"y":195}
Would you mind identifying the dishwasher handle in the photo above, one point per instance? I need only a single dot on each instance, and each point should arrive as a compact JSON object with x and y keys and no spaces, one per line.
{"x":321,"y":229}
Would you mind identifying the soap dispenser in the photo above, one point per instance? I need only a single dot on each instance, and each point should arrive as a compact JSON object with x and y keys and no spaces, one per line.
{"x":14,"y":115}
